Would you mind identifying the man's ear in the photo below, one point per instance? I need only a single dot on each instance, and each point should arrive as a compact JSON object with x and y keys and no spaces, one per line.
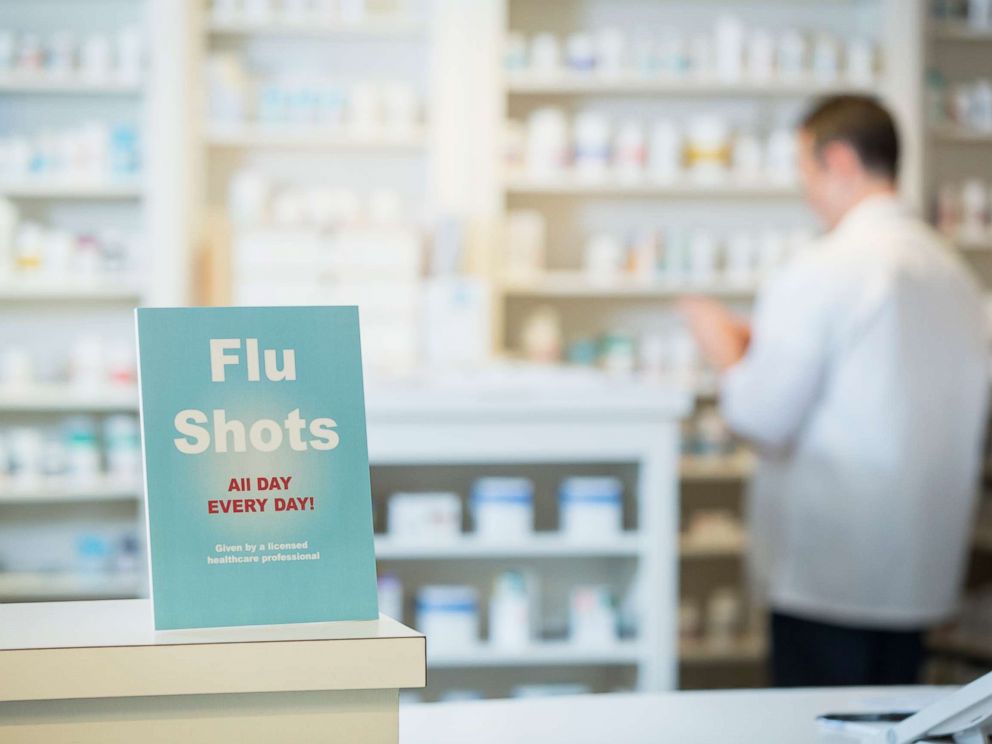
{"x":839,"y":158}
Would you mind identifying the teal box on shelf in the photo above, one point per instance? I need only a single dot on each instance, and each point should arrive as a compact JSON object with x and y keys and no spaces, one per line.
{"x":256,"y":466}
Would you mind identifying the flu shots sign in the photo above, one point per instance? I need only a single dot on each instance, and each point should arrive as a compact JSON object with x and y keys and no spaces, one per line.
{"x":256,"y":466}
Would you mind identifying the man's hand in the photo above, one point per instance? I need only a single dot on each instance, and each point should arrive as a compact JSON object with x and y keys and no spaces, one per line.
{"x":722,"y":337}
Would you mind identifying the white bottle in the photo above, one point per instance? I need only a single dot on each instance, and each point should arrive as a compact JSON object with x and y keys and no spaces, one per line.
{"x":592,"y":146}
{"x":593,"y":619}
{"x":610,"y":51}
{"x":630,"y":151}
{"x":580,"y":53}
{"x":547,"y":143}
{"x":860,"y":62}
{"x":748,"y":157}
{"x":604,"y":257}
{"x":510,"y":612}
{"x":791,"y":56}
{"x":826,"y":59}
{"x":545,"y":55}
{"x":729,"y":48}
{"x":703,"y":257}
{"x":760,"y":55}
{"x":665,"y":151}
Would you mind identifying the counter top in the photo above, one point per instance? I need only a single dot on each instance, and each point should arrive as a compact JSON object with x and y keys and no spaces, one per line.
{"x":727,"y":717}
{"x":58,"y":650}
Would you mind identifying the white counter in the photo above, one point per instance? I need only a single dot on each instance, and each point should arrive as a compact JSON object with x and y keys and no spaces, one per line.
{"x":726,"y":717}
{"x":98,"y":672}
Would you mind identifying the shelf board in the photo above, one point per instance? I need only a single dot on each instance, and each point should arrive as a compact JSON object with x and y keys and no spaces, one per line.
{"x":32,"y":289}
{"x":548,"y":653}
{"x":696,"y":550}
{"x":21,"y":587}
{"x":580,"y":284}
{"x":62,"y":397}
{"x":728,"y":189}
{"x":735,"y":467}
{"x":975,"y":246}
{"x":748,"y":649}
{"x":67,"y":490}
{"x":68,"y":85}
{"x":954,"y":642}
{"x":385,"y":27}
{"x":571,"y":83}
{"x":311,"y":137}
{"x":961,"y":135}
{"x":67,"y":189}
{"x":537,"y":546}
{"x":960,"y":31}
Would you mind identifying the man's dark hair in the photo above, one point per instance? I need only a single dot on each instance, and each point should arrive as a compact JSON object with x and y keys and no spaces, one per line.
{"x":858,"y":121}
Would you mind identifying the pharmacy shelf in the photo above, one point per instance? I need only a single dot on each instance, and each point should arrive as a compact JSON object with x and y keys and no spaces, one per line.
{"x":732,"y":468}
{"x":549,"y":653}
{"x":69,"y":85}
{"x":571,"y":185}
{"x":387,"y":28}
{"x":951,"y":31}
{"x":30,"y":289}
{"x":531,"y":84}
{"x":255,"y":136}
{"x":698,"y":550}
{"x":56,"y":398}
{"x":536,"y":546}
{"x":67,"y":490}
{"x":24,"y":587}
{"x":581,"y":284}
{"x":51,"y":189}
{"x":748,"y":649}
{"x":961,"y":135}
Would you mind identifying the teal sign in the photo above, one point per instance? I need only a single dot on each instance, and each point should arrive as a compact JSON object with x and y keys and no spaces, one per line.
{"x":256,"y":466}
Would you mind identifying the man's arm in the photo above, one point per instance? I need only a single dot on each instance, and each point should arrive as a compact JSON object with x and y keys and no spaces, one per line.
{"x":723,"y":338}
{"x":769,"y":382}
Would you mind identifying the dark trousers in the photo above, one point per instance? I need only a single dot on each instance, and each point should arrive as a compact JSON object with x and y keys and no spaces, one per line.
{"x":806,"y":653}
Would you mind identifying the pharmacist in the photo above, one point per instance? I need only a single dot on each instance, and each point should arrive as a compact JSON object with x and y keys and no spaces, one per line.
{"x":862,"y":382}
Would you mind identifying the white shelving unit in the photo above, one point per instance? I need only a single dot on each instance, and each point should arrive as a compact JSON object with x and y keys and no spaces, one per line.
{"x":435,"y":435}
{"x":576,"y":208}
{"x":46,"y":315}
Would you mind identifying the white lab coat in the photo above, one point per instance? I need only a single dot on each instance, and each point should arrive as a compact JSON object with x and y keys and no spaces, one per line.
{"x":865,"y":389}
